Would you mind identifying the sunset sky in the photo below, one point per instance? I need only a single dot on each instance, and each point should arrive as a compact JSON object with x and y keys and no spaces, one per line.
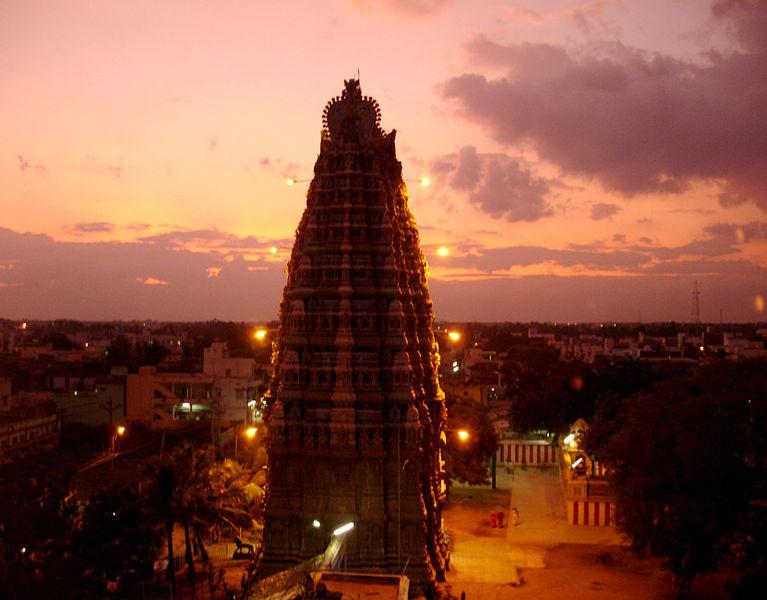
{"x":590,"y":159}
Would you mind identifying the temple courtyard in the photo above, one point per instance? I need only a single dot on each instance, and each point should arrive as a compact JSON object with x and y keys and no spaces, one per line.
{"x":544,"y":556}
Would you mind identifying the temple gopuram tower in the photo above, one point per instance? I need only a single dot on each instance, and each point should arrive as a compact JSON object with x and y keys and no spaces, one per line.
{"x":355,"y":413}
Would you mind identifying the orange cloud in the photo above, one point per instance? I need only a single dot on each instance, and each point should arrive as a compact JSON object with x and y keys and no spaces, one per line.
{"x":151,"y":281}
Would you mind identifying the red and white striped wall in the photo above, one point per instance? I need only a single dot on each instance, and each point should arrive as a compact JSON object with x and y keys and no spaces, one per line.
{"x":591,"y":512}
{"x":525,"y":453}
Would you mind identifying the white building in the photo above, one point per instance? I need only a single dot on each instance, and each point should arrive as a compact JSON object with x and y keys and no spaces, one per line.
{"x":234,"y":380}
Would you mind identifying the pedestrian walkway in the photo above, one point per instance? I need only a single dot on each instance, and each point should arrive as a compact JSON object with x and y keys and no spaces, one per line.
{"x":485,"y":561}
{"x":538,"y":496}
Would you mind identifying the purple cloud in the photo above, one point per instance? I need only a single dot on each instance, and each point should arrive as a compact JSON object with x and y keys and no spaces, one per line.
{"x":95,"y":227}
{"x":638,"y":122}
{"x":707,"y":254}
{"x":213,"y":239}
{"x":496,"y":183}
{"x":118,"y":280}
{"x":591,"y":16}
{"x":25,"y":165}
{"x":407,"y":8}
{"x":601,"y":210}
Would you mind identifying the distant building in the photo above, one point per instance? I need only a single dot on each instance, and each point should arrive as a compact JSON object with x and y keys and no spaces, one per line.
{"x":5,"y":395}
{"x":19,"y":435}
{"x":234,"y":379}
{"x":164,"y":399}
{"x":103,"y":403}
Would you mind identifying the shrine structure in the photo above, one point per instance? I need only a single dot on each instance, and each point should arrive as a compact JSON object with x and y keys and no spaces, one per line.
{"x":355,"y":414}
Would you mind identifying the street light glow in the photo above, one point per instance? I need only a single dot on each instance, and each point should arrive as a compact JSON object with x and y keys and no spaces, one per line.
{"x":454,"y":336}
{"x":273,"y":249}
{"x":443,"y":251}
{"x":290,"y":181}
{"x":316,"y":524}
{"x":425,"y":181}
{"x":343,"y":529}
{"x":250,"y":432}
{"x":121,"y":430}
{"x":260,"y":334}
{"x":463,"y":435}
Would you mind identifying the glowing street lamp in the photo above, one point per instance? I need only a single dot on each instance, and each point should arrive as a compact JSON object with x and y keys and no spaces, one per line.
{"x":274,"y":249}
{"x":443,"y":251}
{"x":249,"y":433}
{"x":425,"y":181}
{"x":316,"y":524}
{"x":121,"y":430}
{"x":260,"y":334}
{"x":463,"y":435}
{"x":454,"y":335}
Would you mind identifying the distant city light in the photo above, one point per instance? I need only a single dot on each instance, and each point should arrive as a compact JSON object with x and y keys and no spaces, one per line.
{"x":425,"y":181}
{"x":316,"y":524}
{"x":759,"y":303}
{"x":443,"y":251}
{"x":24,"y":325}
{"x":454,"y":336}
{"x":701,"y":348}
{"x":343,"y":529}
{"x":186,"y":406}
{"x":250,"y":432}
{"x":260,"y":334}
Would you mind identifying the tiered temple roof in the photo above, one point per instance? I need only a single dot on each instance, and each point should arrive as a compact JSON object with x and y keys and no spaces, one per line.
{"x":356,"y":413}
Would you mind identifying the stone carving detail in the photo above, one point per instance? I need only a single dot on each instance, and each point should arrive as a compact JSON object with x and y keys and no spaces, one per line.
{"x":355,"y":385}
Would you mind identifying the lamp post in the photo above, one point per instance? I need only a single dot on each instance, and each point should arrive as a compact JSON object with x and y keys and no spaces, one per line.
{"x":249,"y":432}
{"x":118,"y":433}
{"x":463,"y":435}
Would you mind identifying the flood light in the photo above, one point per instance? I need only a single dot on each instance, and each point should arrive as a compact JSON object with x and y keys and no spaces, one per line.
{"x":343,"y":529}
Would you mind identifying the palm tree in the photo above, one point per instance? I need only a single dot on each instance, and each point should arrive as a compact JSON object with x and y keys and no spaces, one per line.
{"x":189,"y":488}
{"x":160,"y":489}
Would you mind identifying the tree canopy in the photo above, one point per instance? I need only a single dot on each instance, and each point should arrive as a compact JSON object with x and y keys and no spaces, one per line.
{"x":468,"y":460}
{"x":689,"y":470}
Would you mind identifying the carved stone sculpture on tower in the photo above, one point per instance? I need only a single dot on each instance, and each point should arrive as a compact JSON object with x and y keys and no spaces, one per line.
{"x":355,"y":412}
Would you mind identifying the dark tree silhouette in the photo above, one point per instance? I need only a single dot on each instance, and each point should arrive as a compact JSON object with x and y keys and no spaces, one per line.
{"x":688,"y":463}
{"x":118,"y":540}
{"x":188,"y":488}
{"x":467,"y":461}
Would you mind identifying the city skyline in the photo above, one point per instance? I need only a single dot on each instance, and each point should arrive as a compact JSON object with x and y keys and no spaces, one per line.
{"x":600,"y":156}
